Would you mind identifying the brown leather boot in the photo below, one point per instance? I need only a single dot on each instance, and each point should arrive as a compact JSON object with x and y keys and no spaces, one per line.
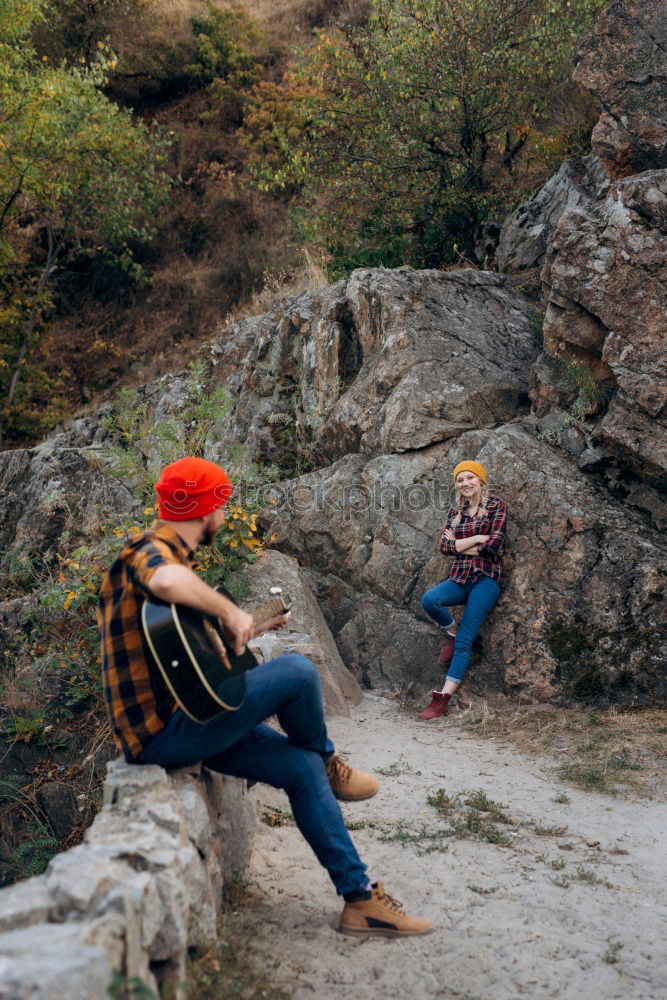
{"x":380,"y":916}
{"x":347,"y":783}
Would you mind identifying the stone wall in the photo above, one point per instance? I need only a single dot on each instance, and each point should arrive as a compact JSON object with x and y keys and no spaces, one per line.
{"x":144,"y":887}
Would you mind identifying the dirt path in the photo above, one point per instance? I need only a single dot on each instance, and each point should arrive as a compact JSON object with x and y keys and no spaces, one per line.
{"x":563,"y":914}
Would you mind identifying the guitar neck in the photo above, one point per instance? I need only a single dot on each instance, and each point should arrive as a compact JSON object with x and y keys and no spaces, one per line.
{"x":265,"y":612}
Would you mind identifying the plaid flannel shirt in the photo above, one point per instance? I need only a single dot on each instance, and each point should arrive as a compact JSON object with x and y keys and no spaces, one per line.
{"x":489,"y":561}
{"x":138,"y":701}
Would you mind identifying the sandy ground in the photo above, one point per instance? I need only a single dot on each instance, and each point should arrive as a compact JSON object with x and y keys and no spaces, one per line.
{"x":581,"y":914}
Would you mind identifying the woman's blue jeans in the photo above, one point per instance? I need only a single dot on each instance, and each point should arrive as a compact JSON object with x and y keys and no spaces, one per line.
{"x":479,"y":597}
{"x":237,"y":743}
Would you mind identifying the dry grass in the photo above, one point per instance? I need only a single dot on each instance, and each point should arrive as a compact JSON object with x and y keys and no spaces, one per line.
{"x":309,"y":273}
{"x":605,"y":751}
{"x":230,"y":968}
{"x":285,"y":24}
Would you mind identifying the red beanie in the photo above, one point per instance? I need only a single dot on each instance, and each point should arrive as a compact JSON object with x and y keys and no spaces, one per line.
{"x":191,"y":488}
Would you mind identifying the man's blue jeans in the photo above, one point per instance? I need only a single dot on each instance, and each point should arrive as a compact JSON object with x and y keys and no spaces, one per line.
{"x":237,"y":743}
{"x":479,"y":597}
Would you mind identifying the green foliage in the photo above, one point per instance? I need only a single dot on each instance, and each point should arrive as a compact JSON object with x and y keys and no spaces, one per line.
{"x":81,"y":29}
{"x":77,"y":176}
{"x":10,"y":789}
{"x":590,"y":398}
{"x":26,"y":728}
{"x":146,"y":445}
{"x":18,"y":573}
{"x":401,"y":131}
{"x":59,"y":630}
{"x":32,"y":857}
{"x":224,"y":40}
{"x":226,"y":60}
{"x":121,"y":988}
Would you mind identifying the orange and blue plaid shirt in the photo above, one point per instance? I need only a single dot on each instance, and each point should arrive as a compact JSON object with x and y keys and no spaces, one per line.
{"x":489,"y":561}
{"x":138,"y":701}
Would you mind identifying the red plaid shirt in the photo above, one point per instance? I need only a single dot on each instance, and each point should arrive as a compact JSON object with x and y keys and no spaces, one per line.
{"x":489,"y":561}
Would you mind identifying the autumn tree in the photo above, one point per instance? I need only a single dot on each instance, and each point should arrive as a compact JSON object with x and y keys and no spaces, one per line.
{"x":398,"y":131}
{"x":77,"y":176}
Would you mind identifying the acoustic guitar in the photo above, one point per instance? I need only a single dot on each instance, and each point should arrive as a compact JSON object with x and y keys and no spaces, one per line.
{"x":193,"y":654}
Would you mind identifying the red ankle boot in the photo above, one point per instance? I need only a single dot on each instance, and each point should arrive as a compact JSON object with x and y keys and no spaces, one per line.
{"x":447,"y":652}
{"x":439,"y":706}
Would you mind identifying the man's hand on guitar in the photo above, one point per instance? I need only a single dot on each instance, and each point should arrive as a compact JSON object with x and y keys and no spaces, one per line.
{"x":239,"y":626}
{"x":273,"y":624}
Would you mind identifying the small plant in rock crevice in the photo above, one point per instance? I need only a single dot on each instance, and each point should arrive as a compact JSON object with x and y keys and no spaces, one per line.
{"x":590,"y":397}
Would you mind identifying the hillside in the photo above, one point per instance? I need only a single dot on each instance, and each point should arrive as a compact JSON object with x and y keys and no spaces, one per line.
{"x":219,"y":84}
{"x":216,"y":242}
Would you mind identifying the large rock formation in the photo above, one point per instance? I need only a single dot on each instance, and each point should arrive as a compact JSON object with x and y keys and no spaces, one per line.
{"x":306,"y":632}
{"x":53,"y":497}
{"x":623,"y":63}
{"x":607,"y":303}
{"x":393,"y":376}
{"x":387,"y":361}
{"x":581,"y":610}
{"x":605,"y":268}
{"x":525,"y":232}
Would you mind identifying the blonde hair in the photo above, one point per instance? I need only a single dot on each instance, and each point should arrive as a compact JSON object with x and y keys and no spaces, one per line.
{"x":460,"y":503}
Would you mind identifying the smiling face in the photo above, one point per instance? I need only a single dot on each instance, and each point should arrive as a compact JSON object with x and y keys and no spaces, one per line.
{"x":469,"y":486}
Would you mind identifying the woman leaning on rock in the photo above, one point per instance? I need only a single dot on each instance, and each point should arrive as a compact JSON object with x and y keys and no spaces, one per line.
{"x":475,"y":534}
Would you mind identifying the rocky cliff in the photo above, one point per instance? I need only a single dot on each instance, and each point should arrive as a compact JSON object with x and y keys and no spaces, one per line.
{"x":367,"y":393}
{"x":379,"y":385}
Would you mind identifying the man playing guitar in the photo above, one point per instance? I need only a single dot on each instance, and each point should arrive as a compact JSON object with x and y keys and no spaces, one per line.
{"x":150,"y":728}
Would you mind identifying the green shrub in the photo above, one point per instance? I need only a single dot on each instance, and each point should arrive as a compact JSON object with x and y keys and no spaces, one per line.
{"x":403,"y":133}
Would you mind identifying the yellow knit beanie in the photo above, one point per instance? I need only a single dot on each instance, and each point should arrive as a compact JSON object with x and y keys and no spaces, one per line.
{"x":475,"y":467}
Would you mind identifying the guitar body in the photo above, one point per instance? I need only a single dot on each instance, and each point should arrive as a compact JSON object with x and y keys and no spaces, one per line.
{"x":200,"y":668}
